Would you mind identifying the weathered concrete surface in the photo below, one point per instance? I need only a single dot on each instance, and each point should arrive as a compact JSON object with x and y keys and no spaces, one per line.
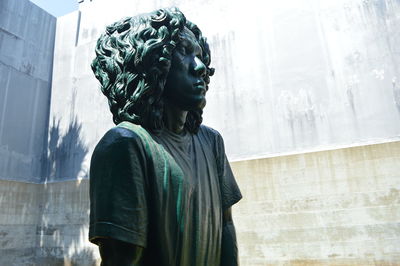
{"x":291,"y":76}
{"x":19,"y":216}
{"x":323,"y":74}
{"x":45,"y":224}
{"x":64,"y":224}
{"x":337,"y":207}
{"x":26,"y":57}
{"x":69,"y":113}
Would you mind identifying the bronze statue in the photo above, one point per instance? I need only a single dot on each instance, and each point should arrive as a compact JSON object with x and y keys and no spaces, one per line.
{"x":161,"y":188}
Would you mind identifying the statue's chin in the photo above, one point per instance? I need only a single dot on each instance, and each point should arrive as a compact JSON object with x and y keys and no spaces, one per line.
{"x":195,"y":104}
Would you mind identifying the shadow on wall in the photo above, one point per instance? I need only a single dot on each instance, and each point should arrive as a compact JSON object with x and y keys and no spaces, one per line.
{"x":65,"y":153}
{"x":62,"y":231}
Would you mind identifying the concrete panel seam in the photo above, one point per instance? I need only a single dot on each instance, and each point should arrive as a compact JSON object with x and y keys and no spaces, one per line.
{"x":317,"y":149}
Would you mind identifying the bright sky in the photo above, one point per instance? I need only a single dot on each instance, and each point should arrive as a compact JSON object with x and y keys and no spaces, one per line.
{"x":57,"y":7}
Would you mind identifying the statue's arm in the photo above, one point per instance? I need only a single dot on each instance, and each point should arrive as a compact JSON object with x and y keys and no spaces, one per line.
{"x":229,"y":250}
{"x":118,"y":198}
{"x":115,"y":252}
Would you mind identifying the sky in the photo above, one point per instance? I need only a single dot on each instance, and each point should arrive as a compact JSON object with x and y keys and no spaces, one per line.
{"x":57,"y":7}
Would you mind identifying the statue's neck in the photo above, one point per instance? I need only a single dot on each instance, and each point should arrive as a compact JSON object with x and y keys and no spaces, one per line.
{"x":174,"y":118}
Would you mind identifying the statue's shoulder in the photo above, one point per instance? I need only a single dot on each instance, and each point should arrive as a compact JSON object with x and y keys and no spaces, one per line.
{"x":211,"y":136}
{"x":121,"y":135}
{"x":209,"y":132}
{"x":137,"y":130}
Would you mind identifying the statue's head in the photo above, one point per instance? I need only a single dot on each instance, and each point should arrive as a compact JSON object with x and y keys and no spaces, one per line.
{"x":142,"y":62}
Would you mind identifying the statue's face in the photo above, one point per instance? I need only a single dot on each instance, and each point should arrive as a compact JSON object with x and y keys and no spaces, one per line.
{"x":185,"y":86}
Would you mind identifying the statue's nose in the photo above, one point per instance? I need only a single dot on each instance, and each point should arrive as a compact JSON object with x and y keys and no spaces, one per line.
{"x":199,"y":67}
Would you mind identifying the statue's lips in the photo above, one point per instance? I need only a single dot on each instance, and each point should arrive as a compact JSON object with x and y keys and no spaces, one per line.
{"x":200,"y":87}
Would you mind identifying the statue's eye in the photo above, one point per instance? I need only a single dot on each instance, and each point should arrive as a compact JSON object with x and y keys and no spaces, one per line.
{"x":182,"y":50}
{"x":200,"y":56}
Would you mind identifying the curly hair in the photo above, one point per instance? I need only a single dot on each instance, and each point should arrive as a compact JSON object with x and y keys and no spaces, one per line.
{"x":133,"y":58}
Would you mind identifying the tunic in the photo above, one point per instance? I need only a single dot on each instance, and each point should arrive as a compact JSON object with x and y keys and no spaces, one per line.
{"x":165,"y":192}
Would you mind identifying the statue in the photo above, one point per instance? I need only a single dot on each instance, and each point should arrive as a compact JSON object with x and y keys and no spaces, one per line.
{"x":161,"y":188}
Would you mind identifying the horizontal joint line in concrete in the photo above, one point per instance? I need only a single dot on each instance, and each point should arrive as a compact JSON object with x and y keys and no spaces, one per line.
{"x":318,"y":149}
{"x":35,"y":77}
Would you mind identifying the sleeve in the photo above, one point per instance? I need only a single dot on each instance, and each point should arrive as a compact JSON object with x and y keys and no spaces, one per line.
{"x":118,"y":194}
{"x":230,"y":191}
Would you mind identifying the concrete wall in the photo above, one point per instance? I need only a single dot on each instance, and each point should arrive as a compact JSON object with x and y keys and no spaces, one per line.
{"x":19,"y":216}
{"x":334,"y":207}
{"x":45,"y":224}
{"x":291,"y":76}
{"x":26,"y":57}
{"x":64,"y":225}
{"x":319,"y":76}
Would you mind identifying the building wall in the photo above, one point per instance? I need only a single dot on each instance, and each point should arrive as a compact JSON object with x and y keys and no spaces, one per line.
{"x":19,"y":216}
{"x":307,"y":99}
{"x":64,"y":225}
{"x":315,"y":79}
{"x":45,"y":224}
{"x":26,"y":57}
{"x":291,"y":76}
{"x":333,"y":207}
